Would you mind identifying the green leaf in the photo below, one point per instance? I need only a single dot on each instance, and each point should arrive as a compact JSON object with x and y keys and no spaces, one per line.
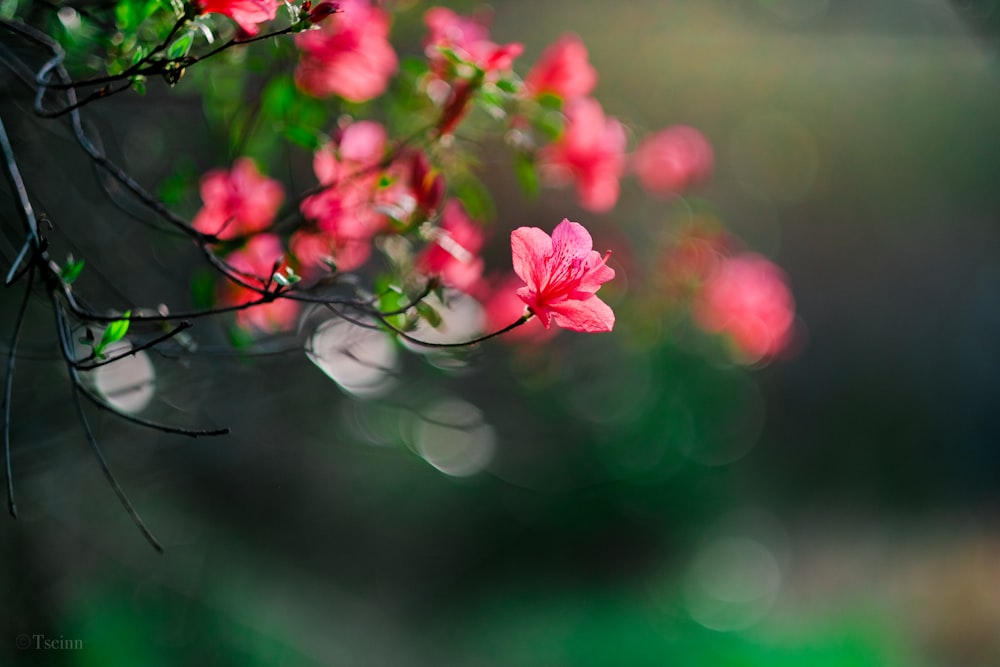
{"x":549,"y":124}
{"x":475,"y":197}
{"x":71,"y":271}
{"x":181,"y":46}
{"x":115,"y":331}
{"x":429,"y":313}
{"x":508,"y":86}
{"x":527,"y":173}
{"x":550,"y":101}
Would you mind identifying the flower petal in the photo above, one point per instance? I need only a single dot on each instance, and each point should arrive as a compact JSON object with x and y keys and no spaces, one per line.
{"x":589,"y":315}
{"x":572,"y":238}
{"x":529,"y":247}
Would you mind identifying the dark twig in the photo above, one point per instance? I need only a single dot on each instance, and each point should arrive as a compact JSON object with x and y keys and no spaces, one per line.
{"x":8,"y":393}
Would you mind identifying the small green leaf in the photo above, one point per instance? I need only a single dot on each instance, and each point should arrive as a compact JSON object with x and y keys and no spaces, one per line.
{"x":430,"y":314}
{"x":115,"y":331}
{"x":181,"y":46}
{"x":527,"y":174}
{"x":550,"y":124}
{"x":550,"y":101}
{"x":508,"y":86}
{"x":281,"y":280}
{"x":475,"y":197}
{"x":71,"y":271}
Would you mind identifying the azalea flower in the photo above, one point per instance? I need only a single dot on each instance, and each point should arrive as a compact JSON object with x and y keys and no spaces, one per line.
{"x":345,"y":213}
{"x":469,"y":38}
{"x":247,"y":13}
{"x":673,"y":160}
{"x":561,"y":275}
{"x":591,"y":151}
{"x":350,"y":56}
{"x":563,"y":70}
{"x":237,"y":202}
{"x":453,"y":253}
{"x":503,"y":306}
{"x":255,"y":264}
{"x":747,"y":299}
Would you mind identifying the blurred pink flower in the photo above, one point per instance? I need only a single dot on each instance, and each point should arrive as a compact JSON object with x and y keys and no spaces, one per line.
{"x":360,"y":194}
{"x":237,"y":202}
{"x":561,"y":275}
{"x":349,"y":56}
{"x":747,"y":299}
{"x":469,"y":38}
{"x":247,"y":13}
{"x":314,"y":249}
{"x":562,"y":70}
{"x":673,"y":160}
{"x":590,"y":151}
{"x":503,"y":306}
{"x":453,"y":254}
{"x":254,"y":264}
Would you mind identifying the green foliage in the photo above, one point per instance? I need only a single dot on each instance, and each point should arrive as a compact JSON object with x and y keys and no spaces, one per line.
{"x":527,"y":173}
{"x":71,"y":270}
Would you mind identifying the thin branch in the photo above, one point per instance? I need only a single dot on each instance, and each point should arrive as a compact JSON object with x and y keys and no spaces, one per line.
{"x":82,"y":366}
{"x":8,"y":393}
{"x":91,"y":440}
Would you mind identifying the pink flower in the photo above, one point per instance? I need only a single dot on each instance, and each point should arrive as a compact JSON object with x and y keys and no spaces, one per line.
{"x":349,"y":56}
{"x":349,"y":211}
{"x":561,"y":275}
{"x":247,"y":13}
{"x":591,"y":151}
{"x":254,"y":264}
{"x":503,"y":306}
{"x":314,"y":249}
{"x":673,"y":160}
{"x":237,"y":202}
{"x":563,"y":70}
{"x":747,"y":299}
{"x":469,"y":38}
{"x":453,"y":253}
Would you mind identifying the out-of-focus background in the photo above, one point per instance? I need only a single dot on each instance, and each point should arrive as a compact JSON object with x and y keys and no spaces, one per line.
{"x":623,"y":499}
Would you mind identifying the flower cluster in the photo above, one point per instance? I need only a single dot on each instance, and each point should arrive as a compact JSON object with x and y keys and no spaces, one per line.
{"x":403,"y":197}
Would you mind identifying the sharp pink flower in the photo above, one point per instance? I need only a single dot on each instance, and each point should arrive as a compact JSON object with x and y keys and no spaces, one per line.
{"x":349,"y":56}
{"x":591,"y":152}
{"x":255,"y":263}
{"x":237,"y":202}
{"x":673,"y":160}
{"x":247,"y":13}
{"x":561,"y":275}
{"x":747,"y":298}
{"x":562,"y":70}
{"x":503,"y":306}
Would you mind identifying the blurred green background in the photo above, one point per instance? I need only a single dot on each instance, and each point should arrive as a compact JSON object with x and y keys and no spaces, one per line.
{"x":623,"y":499}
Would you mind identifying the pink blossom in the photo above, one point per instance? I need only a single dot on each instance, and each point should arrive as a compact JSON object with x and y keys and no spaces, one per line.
{"x":591,"y":151}
{"x":254,"y":264}
{"x":747,"y":299}
{"x":562,"y":70}
{"x":237,"y":202}
{"x":348,"y":212}
{"x":453,"y":253}
{"x":315,"y":249}
{"x":349,"y":56}
{"x":469,"y":38}
{"x":673,"y":160}
{"x":247,"y":13}
{"x":503,"y":306}
{"x":561,"y":275}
